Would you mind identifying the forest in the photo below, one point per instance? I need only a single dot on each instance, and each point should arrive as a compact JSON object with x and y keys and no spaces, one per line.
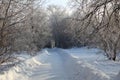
{"x":28,"y":25}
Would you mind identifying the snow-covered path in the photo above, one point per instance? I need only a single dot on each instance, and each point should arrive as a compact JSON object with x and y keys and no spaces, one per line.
{"x":61,"y":64}
{"x":54,"y":70}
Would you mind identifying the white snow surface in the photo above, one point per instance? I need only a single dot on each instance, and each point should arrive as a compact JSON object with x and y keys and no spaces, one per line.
{"x":65,"y":64}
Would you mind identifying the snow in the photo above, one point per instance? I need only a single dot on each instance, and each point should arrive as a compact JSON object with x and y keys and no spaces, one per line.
{"x":79,"y":70}
{"x":96,"y":58}
{"x":117,"y":77}
{"x":64,"y":64}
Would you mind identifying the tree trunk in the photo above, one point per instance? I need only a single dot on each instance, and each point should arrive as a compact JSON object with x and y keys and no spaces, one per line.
{"x":114,"y":55}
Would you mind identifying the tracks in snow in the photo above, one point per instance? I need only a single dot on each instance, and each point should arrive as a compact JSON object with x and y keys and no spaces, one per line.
{"x":62,"y":66}
{"x":53,"y":69}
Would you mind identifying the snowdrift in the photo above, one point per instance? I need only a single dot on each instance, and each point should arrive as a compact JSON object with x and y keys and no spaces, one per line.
{"x":23,"y":70}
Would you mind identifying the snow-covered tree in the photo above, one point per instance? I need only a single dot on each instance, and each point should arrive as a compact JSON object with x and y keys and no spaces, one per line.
{"x":103,"y":17}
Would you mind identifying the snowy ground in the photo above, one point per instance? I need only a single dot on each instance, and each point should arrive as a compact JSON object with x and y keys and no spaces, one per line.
{"x":65,"y":64}
{"x":97,"y":59}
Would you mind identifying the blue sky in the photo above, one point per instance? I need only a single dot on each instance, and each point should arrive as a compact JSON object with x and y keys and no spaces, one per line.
{"x":57,"y":2}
